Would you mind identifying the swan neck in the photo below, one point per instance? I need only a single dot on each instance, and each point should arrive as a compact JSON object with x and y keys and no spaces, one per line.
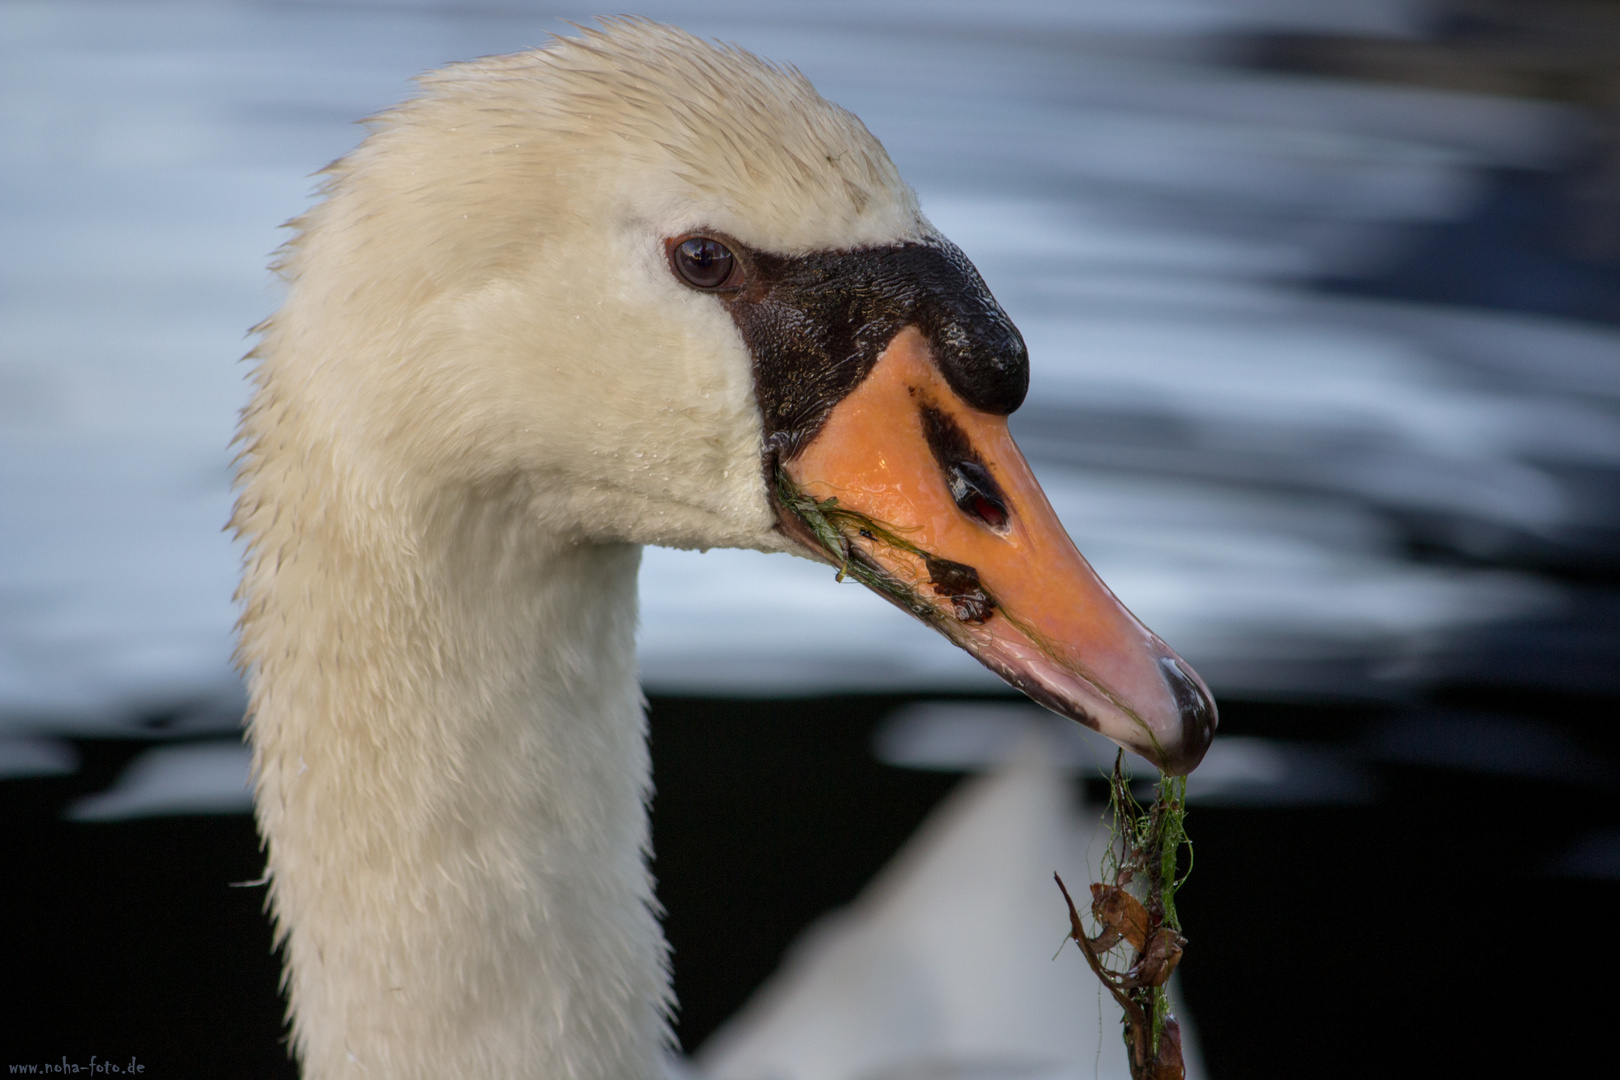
{"x":452,"y":772}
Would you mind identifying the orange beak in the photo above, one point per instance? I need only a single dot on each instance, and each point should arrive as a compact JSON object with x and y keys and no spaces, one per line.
{"x":930,"y":503}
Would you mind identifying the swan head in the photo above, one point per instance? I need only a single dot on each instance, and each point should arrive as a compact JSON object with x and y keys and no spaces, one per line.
{"x":660,"y":291}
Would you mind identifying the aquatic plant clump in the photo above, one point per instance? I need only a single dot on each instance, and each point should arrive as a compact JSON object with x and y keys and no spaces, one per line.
{"x":1138,"y":942}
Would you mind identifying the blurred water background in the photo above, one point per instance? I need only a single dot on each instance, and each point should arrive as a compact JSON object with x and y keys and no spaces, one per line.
{"x":1323,"y":304}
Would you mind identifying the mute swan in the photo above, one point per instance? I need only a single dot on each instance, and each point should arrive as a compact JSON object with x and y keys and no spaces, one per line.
{"x":626,"y":289}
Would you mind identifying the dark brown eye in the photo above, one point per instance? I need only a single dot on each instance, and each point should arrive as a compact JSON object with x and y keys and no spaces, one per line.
{"x":705,"y":263}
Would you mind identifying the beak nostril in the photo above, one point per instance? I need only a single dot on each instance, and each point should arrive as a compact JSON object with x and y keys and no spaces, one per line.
{"x":976,"y":494}
{"x":973,"y":489}
{"x":987,"y":510}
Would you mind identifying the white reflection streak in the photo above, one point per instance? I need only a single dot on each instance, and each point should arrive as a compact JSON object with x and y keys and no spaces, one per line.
{"x":1142,"y":217}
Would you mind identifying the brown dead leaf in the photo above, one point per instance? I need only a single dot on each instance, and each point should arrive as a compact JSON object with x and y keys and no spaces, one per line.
{"x":1121,"y":912}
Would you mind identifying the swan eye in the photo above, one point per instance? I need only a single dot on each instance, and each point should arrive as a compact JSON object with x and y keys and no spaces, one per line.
{"x":705,"y":263}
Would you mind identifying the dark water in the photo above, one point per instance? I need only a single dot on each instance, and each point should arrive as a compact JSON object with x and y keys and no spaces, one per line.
{"x":1419,"y":931}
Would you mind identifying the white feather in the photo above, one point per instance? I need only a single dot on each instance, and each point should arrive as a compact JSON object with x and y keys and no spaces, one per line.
{"x":483,"y":391}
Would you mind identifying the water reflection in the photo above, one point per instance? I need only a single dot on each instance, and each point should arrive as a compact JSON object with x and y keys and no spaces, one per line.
{"x":1252,"y":462}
